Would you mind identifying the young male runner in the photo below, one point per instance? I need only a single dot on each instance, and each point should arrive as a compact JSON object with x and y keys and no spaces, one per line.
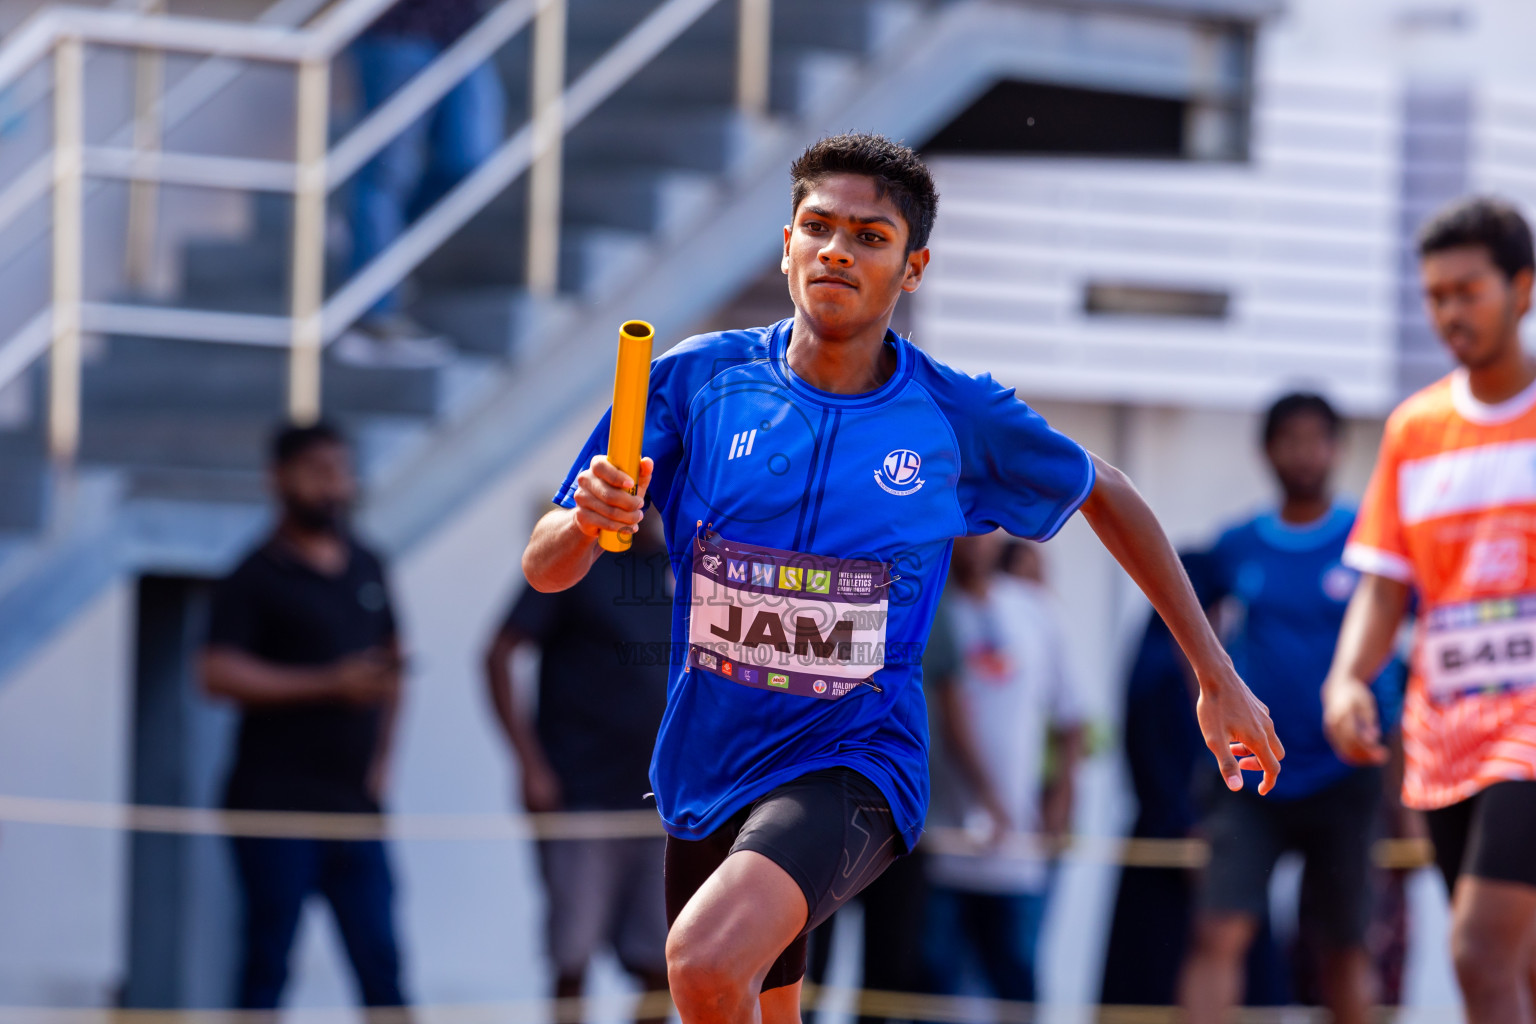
{"x":811,"y":476}
{"x":1281,"y":568}
{"x":1451,"y":512}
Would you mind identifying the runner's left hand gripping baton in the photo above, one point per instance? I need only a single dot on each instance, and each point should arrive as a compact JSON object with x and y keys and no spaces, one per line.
{"x":626,"y":426}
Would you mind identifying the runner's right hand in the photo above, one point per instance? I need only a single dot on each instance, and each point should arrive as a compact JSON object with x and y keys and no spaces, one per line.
{"x":603,"y":501}
{"x":1237,"y":728}
{"x":1352,"y":722}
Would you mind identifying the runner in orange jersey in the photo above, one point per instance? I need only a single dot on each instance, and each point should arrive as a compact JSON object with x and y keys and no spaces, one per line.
{"x":1451,"y":513}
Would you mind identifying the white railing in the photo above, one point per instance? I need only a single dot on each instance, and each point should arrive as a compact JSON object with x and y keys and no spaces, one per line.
{"x":312,"y":320}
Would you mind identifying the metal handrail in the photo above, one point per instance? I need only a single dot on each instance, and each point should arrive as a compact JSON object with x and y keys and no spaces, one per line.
{"x":315,"y":171}
{"x":183,"y":99}
{"x":514,"y":156}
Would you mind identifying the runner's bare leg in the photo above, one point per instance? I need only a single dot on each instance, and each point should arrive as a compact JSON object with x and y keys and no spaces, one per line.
{"x":1493,"y":930}
{"x":1349,"y":985}
{"x":728,"y":936}
{"x":1530,"y":977}
{"x":1214,"y":970}
{"x":781,"y":1005}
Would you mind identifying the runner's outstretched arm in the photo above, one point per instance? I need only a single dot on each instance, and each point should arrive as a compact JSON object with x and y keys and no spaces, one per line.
{"x":1365,"y":642}
{"x":1233,"y":721}
{"x":564,"y":542}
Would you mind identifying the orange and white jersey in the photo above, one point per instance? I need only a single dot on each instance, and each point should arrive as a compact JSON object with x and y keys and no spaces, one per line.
{"x":1451,"y":510}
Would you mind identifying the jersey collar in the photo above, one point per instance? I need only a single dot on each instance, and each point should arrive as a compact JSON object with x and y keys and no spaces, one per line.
{"x":1484,"y":413}
{"x":778,"y":349}
{"x":1304,"y":536}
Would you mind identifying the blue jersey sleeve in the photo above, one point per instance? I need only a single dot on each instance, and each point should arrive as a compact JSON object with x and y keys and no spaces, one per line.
{"x":1016,"y":472}
{"x":676,"y":376}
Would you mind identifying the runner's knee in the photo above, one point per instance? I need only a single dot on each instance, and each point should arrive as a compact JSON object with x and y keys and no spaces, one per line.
{"x":701,"y":974}
{"x":1485,"y":963}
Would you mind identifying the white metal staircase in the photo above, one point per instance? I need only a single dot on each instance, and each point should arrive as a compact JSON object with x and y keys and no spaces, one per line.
{"x":658,"y":180}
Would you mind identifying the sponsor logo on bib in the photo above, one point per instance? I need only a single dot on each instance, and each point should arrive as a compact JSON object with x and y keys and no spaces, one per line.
{"x":802,"y":624}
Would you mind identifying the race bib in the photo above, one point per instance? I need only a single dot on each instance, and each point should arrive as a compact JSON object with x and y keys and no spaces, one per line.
{"x":786,"y":621}
{"x":1479,"y":647}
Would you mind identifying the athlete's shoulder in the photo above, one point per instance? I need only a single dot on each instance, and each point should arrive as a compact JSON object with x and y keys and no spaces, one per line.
{"x":1238,"y":540}
{"x":716,"y":351}
{"x":941,"y":378}
{"x":960,"y":395}
{"x":682,"y":371}
{"x":1430,"y":405}
{"x":1242,"y":531}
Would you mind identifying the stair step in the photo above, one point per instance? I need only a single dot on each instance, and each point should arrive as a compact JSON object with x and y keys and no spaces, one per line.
{"x":223,"y":458}
{"x":249,"y":275}
{"x":707,"y":78}
{"x":176,"y":376}
{"x":860,"y":26}
{"x":158,"y":437}
{"x":490,"y":252}
{"x":651,"y":202}
{"x":27,"y":495}
{"x":218,"y":485}
{"x":502,"y":321}
{"x":192,"y":377}
{"x":706,"y":139}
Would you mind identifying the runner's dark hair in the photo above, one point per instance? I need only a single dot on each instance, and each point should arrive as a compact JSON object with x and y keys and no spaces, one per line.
{"x":291,"y":440}
{"x":899,"y":175}
{"x":1492,"y":223}
{"x":1300,"y":403}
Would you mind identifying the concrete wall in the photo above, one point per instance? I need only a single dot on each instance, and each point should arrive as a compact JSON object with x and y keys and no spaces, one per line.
{"x":64,"y":734}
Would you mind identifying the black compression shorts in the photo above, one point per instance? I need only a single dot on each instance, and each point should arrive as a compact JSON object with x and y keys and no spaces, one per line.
{"x":830,"y":830}
{"x":1491,"y":834}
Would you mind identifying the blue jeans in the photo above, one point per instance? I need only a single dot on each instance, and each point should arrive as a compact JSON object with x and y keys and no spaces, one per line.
{"x":431,"y":156}
{"x":995,"y":935}
{"x":277,"y":876}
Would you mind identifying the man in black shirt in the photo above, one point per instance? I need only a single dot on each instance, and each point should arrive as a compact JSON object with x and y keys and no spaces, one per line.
{"x":302,"y":636}
{"x":604,"y":646}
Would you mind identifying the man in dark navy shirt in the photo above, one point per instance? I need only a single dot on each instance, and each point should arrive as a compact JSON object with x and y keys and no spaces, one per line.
{"x":1282,"y":570}
{"x":303,"y":638}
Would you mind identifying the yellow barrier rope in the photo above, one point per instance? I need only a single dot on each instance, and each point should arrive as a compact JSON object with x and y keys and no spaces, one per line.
{"x":1150,"y":853}
{"x":895,"y":1005}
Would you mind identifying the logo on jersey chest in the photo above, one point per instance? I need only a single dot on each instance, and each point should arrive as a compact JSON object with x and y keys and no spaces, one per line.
{"x":1339,"y":582}
{"x":741,"y":444}
{"x":898,"y":473}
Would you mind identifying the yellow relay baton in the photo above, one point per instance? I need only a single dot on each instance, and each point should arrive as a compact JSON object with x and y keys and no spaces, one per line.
{"x":626,"y":427}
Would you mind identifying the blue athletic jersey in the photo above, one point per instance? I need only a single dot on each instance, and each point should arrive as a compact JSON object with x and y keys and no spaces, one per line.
{"x":1292,"y":589}
{"x":760,"y":457}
